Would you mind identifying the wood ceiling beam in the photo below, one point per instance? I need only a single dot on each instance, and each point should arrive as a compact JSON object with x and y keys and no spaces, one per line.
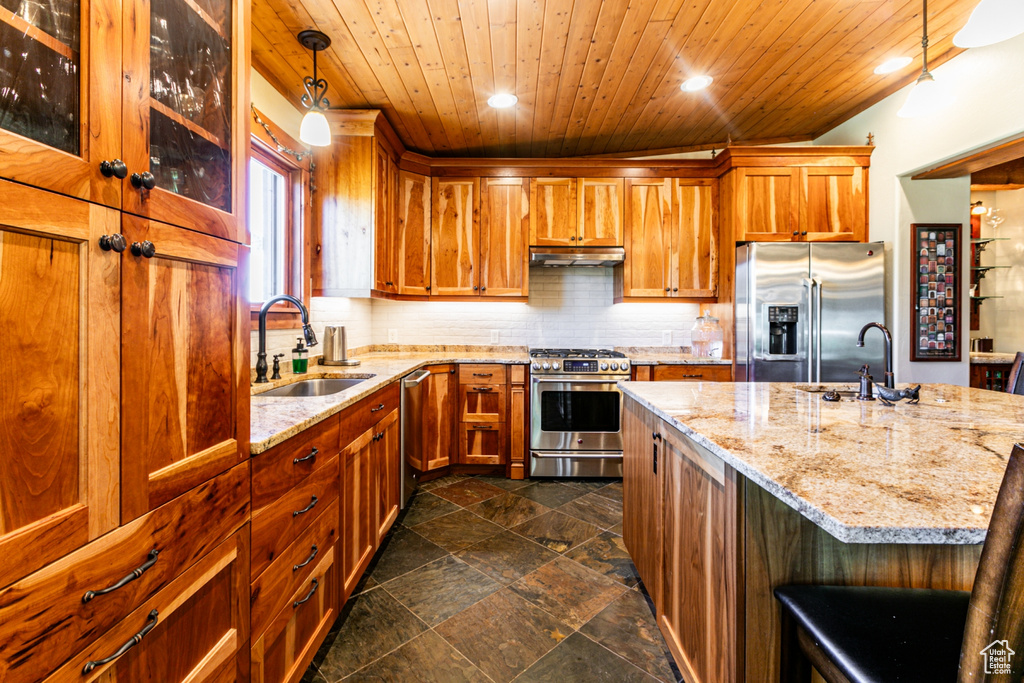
{"x":996,"y":154}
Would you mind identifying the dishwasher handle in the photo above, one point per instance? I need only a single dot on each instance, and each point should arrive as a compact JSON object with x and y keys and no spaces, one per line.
{"x":415,"y":378}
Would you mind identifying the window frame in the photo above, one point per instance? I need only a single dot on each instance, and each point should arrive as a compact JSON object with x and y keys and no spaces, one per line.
{"x":264,"y":149}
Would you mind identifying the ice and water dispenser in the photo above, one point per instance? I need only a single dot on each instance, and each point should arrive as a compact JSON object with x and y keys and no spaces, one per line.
{"x":782,"y":330}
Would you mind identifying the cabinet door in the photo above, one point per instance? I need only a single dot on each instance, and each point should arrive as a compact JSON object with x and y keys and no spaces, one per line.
{"x":194,"y":630}
{"x":454,"y":236}
{"x":553,"y":212}
{"x":694,"y":238}
{"x":833,"y":204}
{"x":185,"y":364}
{"x":641,"y":496}
{"x":413,"y":234}
{"x":60,"y":114}
{"x":648,"y":242}
{"x":600,"y":212}
{"x":482,"y":402}
{"x":437,"y":420}
{"x":388,"y":462}
{"x":358,"y":530}
{"x":766,"y":204}
{"x":504,"y":226}
{"x":482,"y":444}
{"x":385,"y":252}
{"x":697,"y":597}
{"x":185,"y":112}
{"x":59,"y":419}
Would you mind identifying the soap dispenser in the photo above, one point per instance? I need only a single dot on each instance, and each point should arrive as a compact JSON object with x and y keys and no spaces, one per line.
{"x":300,"y":358}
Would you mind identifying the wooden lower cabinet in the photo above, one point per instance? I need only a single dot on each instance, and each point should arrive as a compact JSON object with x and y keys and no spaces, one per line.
{"x":388,"y":460}
{"x":358,"y":528}
{"x":690,"y":372}
{"x":195,"y":629}
{"x":641,"y":495}
{"x":482,"y":443}
{"x":517,"y":428}
{"x":439,"y":391}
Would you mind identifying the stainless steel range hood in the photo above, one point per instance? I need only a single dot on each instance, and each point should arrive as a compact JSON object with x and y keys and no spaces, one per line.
{"x":576,"y":256}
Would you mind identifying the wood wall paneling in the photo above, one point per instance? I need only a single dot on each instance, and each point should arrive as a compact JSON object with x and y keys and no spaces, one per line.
{"x":455,"y":234}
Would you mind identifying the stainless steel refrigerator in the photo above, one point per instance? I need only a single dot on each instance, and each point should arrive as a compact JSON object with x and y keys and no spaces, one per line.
{"x":800,"y":307}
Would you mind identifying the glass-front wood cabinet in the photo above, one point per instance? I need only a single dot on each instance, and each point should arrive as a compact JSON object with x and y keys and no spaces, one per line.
{"x":137,"y":105}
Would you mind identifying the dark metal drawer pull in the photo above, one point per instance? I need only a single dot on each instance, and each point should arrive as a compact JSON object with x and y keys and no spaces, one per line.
{"x":154,"y":616}
{"x":312,"y":504}
{"x":316,"y":584}
{"x":312,"y":456}
{"x":482,"y":389}
{"x":136,"y":573}
{"x":308,"y":559}
{"x":379,"y":407}
{"x":482,"y":427}
{"x":483,"y":374}
{"x":693,"y":376}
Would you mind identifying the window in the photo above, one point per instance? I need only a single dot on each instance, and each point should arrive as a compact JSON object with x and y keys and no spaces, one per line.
{"x":278,"y":215}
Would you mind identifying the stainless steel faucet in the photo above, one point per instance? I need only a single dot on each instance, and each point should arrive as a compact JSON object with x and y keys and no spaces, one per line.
{"x":890,"y":379}
{"x":307,"y":332}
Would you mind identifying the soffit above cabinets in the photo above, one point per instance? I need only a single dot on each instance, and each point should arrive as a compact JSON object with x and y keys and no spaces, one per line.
{"x":601,"y":78}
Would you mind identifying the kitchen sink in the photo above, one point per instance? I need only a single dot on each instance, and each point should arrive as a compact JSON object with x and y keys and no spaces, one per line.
{"x":315,"y":387}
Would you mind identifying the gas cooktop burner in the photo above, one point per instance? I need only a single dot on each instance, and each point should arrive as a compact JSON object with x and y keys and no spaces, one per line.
{"x":575,"y":353}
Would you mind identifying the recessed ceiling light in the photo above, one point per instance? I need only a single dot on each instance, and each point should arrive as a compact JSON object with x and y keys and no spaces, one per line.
{"x":696,"y":83}
{"x":502,"y":100}
{"x":890,"y":65}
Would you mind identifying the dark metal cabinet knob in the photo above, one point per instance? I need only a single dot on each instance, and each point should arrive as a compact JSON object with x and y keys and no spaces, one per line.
{"x":115,"y":242}
{"x":796,"y":232}
{"x":804,"y":232}
{"x":428,"y":288}
{"x":143,"y":180}
{"x":144,"y":248}
{"x":113,"y":169}
{"x":483,"y":289}
{"x":572,"y":239}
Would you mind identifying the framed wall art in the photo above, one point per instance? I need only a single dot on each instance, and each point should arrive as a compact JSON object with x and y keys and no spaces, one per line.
{"x":935,"y":310}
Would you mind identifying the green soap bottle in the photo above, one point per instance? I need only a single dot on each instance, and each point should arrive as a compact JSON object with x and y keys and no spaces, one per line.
{"x":300,"y":358}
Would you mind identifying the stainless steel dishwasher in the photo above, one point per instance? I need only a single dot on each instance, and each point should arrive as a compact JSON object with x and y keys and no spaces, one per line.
{"x":412,"y":429}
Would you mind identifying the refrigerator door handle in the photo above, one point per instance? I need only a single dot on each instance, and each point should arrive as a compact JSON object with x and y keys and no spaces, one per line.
{"x":810,"y":284}
{"x":818,"y":286}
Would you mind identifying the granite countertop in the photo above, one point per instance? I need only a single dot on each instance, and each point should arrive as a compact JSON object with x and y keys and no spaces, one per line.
{"x":273,"y":419}
{"x":992,"y":358}
{"x":862,"y":471}
{"x":667,"y":355}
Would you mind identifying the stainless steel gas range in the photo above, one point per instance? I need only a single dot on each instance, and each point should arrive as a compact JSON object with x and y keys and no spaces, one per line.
{"x":576,"y":412}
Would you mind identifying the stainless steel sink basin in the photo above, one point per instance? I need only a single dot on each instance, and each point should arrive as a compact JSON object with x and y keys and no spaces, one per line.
{"x":315,"y":387}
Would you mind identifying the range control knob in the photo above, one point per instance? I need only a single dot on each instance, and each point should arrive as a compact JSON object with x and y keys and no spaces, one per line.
{"x":535,"y":366}
{"x":604,"y":366}
{"x":615,"y":366}
{"x":546,"y":366}
{"x":555,"y":365}
{"x":624,"y":365}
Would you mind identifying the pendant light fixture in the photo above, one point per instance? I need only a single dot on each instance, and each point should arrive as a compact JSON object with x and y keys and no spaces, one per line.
{"x":314,"y":129}
{"x":927,"y":96}
{"x":991,"y":22}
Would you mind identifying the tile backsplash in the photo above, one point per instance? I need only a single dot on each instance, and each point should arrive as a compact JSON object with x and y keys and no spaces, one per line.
{"x":567,"y":307}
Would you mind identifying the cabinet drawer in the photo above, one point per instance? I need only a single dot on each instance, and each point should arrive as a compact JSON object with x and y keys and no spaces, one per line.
{"x":358,"y":418}
{"x":473,"y":373}
{"x":293,"y":568}
{"x":277,"y":471}
{"x":193,"y":630}
{"x":482,"y":402}
{"x":693,"y":373}
{"x":43,"y":619}
{"x":278,"y":524}
{"x":283,"y":652}
{"x":481,"y":444}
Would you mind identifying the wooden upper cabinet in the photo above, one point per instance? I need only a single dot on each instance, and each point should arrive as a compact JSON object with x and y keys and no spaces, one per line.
{"x":455,"y":233}
{"x":185,"y":363}
{"x":59,"y":418}
{"x":385,"y":250}
{"x":553,"y":212}
{"x":766,"y":204}
{"x":671,"y":237}
{"x":600,"y":212}
{"x":504,"y":228}
{"x":833,"y":204}
{"x":58,"y":143}
{"x":185,"y":113}
{"x":412,"y":234}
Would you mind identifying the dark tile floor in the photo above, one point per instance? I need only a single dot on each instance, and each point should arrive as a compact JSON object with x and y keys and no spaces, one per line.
{"x":486,"y":579}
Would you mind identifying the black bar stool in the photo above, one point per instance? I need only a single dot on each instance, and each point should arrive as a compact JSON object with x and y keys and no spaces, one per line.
{"x":893,"y":635}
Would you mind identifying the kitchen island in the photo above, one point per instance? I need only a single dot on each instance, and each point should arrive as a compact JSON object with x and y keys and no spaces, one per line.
{"x":733,"y":489}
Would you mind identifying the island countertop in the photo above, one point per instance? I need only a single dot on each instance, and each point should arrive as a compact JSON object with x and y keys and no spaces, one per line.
{"x":862,"y":471}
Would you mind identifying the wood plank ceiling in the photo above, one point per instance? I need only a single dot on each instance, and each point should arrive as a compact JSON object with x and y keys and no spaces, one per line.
{"x":601,"y":77}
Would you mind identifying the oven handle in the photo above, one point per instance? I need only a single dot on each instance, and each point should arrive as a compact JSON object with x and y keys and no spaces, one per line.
{"x":576,"y":455}
{"x":566,"y":380}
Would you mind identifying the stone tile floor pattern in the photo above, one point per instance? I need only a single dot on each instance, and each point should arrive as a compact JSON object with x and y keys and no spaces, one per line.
{"x":491,"y":580}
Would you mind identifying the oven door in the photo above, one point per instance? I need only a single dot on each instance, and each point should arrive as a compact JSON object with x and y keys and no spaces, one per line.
{"x":575,"y":414}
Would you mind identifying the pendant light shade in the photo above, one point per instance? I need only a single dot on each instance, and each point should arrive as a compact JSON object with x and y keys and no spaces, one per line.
{"x":927,"y":96}
{"x":314,"y":129}
{"x":992,"y":21}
